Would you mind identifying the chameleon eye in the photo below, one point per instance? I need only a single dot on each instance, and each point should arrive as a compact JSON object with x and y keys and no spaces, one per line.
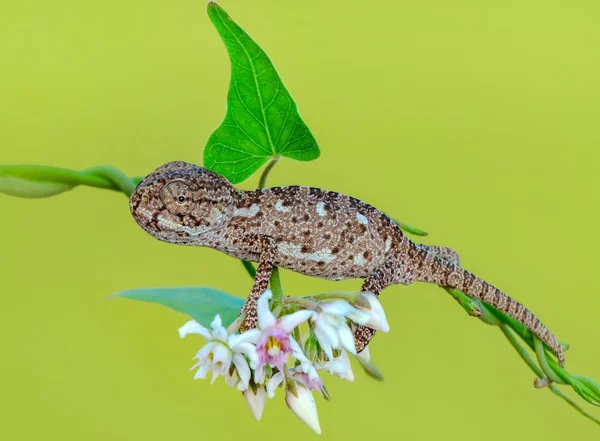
{"x":177,"y":197}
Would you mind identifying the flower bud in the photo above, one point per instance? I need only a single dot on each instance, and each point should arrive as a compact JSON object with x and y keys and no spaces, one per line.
{"x":256,"y":400}
{"x":301,"y":402}
{"x":369,"y":303}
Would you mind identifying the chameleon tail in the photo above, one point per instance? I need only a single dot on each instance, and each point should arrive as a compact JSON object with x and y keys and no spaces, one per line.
{"x":433,"y":269}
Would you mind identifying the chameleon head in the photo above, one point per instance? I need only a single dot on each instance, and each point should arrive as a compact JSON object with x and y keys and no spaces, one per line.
{"x":180,"y":202}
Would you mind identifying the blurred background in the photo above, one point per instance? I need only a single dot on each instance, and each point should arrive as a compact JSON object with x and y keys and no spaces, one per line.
{"x":476,"y":121}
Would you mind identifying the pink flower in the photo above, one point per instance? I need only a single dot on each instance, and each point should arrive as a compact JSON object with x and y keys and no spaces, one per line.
{"x":275,"y":343}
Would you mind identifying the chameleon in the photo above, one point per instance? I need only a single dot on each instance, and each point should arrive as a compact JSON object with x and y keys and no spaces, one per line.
{"x":308,"y":230}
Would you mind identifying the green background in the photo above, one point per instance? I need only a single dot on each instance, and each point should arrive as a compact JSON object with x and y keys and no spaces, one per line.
{"x":476,"y":121}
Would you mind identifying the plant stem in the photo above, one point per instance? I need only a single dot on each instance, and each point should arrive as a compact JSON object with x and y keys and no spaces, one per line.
{"x":541,"y":356}
{"x":529,"y":361}
{"x":302,"y":302}
{"x":249,"y":268}
{"x":262,"y":183}
{"x":121,"y":181}
{"x":276,"y":286}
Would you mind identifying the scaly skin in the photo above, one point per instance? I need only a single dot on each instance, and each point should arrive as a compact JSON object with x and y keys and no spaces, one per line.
{"x":311,"y":231}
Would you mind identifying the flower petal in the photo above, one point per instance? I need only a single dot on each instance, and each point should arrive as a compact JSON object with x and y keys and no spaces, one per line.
{"x":243,"y":371}
{"x":232,"y":378}
{"x":205,"y":351}
{"x":266,"y":318}
{"x":193,"y":327}
{"x":298,"y":353}
{"x":259,"y":374}
{"x":250,"y":336}
{"x":201,"y":373}
{"x":274,"y":383}
{"x":222,"y":354}
{"x":360,"y":317}
{"x":337,"y":307}
{"x":289,"y":322}
{"x":347,"y":339}
{"x":345,"y":360}
{"x":324,"y":342}
{"x":219,"y":332}
{"x":249,"y":350}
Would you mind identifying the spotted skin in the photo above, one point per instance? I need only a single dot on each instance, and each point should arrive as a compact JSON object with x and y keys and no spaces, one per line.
{"x":312,"y":231}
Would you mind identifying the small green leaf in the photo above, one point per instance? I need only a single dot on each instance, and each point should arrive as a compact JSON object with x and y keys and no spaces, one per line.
{"x":200,"y":303}
{"x":410,"y":229}
{"x":262,"y":119}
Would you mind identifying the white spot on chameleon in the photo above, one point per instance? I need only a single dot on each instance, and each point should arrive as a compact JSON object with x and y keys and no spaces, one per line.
{"x":321,"y":209}
{"x":359,"y":259}
{"x":247,"y":212}
{"x":362,"y":219}
{"x":388,"y":243}
{"x":293,"y":250}
{"x":279,"y":207}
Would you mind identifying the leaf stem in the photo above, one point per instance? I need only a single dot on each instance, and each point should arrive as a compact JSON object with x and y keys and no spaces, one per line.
{"x":249,"y":268}
{"x":302,"y":302}
{"x":276,"y":286}
{"x":262,"y":183}
{"x":121,"y":181}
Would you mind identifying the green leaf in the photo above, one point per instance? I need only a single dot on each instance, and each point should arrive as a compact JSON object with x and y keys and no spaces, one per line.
{"x":262,"y":119}
{"x":410,"y":229}
{"x":200,"y":303}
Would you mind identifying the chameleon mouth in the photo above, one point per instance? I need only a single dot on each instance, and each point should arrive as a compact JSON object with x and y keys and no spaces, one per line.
{"x":167,"y":224}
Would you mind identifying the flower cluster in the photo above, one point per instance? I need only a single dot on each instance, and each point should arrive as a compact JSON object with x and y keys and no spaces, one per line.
{"x":258,"y":361}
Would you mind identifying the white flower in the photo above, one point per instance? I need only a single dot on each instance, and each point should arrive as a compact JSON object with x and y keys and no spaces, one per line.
{"x":275,"y":343}
{"x":301,"y":402}
{"x":256,"y":401}
{"x":332,"y":330}
{"x":339,"y":366}
{"x":369,"y":303}
{"x":224,"y":351}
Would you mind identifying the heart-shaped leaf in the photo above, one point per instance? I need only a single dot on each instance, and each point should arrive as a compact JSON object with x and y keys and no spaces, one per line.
{"x":199,"y":302}
{"x":262,"y":119}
